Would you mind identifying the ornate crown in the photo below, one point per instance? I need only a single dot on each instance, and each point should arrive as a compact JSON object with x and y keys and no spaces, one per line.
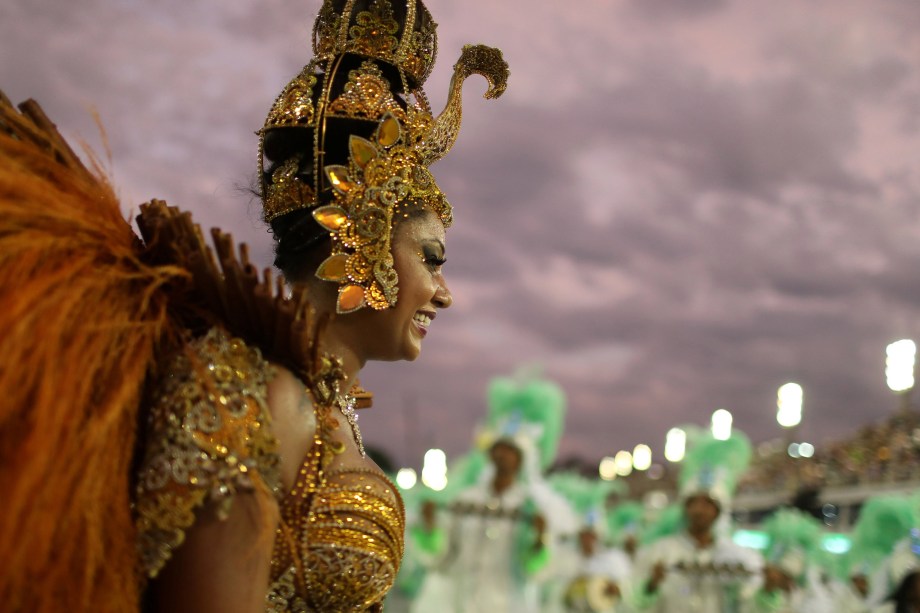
{"x":363,"y":87}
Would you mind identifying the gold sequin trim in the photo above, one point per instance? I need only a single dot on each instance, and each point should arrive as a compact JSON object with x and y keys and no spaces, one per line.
{"x":209,"y":437}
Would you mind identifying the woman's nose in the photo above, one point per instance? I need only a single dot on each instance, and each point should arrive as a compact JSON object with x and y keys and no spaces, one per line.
{"x":443,"y":298}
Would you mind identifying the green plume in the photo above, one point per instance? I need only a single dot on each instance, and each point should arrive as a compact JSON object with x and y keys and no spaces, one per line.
{"x":584,"y":494}
{"x":668,"y":523}
{"x":883,"y":521}
{"x":625,"y":516}
{"x":731,"y":457}
{"x":530,"y":400}
{"x":790,"y":529}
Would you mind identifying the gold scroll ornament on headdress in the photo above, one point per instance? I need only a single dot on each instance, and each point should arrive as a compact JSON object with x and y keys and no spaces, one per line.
{"x":391,"y":171}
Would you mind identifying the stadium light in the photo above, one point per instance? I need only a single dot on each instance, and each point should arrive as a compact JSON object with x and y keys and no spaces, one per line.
{"x":642,"y":457}
{"x":608,"y":469}
{"x":434,"y":469}
{"x":406,"y":478}
{"x":675,"y":445}
{"x":900,"y":357}
{"x":721,"y":425}
{"x":789,"y":405}
{"x":623,"y":463}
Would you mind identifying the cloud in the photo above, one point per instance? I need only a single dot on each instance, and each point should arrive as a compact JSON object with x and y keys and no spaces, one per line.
{"x":677,"y":206}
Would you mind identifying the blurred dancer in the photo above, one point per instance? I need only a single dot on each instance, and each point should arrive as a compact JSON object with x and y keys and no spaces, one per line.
{"x":899,"y":578}
{"x":792,"y":577}
{"x":586,"y":576}
{"x":883,"y":522}
{"x":489,"y":547}
{"x":699,"y":568}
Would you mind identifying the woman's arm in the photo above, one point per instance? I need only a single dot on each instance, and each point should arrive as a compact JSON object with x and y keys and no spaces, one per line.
{"x":224,"y":564}
{"x":209,"y":487}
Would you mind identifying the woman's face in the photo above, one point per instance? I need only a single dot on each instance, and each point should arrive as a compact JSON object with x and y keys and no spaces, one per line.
{"x":396,"y":333}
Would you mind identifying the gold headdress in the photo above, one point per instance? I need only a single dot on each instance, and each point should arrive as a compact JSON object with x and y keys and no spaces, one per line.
{"x":351,"y":137}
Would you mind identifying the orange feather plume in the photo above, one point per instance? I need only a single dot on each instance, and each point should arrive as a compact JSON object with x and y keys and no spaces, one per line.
{"x":81,"y":319}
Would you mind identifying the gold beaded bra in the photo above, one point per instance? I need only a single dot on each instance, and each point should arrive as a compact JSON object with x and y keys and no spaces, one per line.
{"x":342,"y":530}
{"x":340,"y":542}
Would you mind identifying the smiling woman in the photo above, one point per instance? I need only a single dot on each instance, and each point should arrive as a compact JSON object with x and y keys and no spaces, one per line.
{"x":359,"y":227}
{"x":248,"y":492}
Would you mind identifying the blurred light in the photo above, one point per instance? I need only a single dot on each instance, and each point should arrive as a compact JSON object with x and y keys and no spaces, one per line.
{"x":793,"y":450}
{"x":434,"y":469}
{"x":721,"y":425}
{"x":642,"y":457}
{"x":656,"y":500}
{"x":655,"y":472}
{"x":789,"y":405}
{"x":754,"y":539}
{"x":608,"y":469}
{"x":406,"y":478}
{"x":806,"y":450}
{"x":899,"y":365}
{"x":675,"y":445}
{"x":623,"y":463}
{"x":831,"y":514}
{"x":836,"y":543}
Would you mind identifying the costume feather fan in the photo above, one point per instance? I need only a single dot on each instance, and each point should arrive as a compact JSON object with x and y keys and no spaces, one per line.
{"x":80,"y":318}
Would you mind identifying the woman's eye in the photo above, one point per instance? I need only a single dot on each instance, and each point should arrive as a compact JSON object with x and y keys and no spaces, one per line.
{"x":434,"y":261}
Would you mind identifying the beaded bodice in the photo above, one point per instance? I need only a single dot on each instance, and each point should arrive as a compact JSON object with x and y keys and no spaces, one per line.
{"x":344,"y":553}
{"x":340,"y":538}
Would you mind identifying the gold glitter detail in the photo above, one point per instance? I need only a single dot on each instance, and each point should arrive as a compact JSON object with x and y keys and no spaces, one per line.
{"x":346,"y":550}
{"x":387,"y":174}
{"x":340,"y":539}
{"x":208,"y":438}
{"x":341,"y":536}
{"x":287,"y":192}
{"x":376,"y":33}
{"x":294,"y":106}
{"x":367,"y":95}
{"x":475,"y":59}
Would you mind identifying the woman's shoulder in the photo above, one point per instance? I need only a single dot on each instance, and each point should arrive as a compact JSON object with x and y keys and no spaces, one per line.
{"x":215,"y":391}
{"x":207,"y":438}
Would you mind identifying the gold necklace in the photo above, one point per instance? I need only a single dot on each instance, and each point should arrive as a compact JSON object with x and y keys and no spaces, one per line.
{"x":347,"y":407}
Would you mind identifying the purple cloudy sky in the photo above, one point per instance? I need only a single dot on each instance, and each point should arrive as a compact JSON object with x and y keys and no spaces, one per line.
{"x":678,"y":205}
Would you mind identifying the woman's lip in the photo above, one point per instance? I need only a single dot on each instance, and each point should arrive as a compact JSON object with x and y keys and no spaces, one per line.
{"x":421,"y":329}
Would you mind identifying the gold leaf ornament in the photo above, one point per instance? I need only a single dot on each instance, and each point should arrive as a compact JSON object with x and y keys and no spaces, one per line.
{"x":362,"y":150}
{"x":389,"y":131}
{"x":338,"y":177}
{"x":351,"y":298}
{"x":330,"y":217}
{"x":333,"y":268}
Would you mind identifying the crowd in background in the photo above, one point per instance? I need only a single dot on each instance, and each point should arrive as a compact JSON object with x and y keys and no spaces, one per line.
{"x":884,"y":452}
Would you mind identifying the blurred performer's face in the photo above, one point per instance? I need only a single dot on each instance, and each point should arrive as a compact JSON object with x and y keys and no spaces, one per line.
{"x":860,"y":584}
{"x":701,"y":512}
{"x":506,"y":458}
{"x":776,"y":579}
{"x":587,"y":540}
{"x":630,"y":545}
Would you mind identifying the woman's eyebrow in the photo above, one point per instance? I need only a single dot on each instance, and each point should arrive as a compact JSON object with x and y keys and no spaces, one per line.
{"x":435,"y":241}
